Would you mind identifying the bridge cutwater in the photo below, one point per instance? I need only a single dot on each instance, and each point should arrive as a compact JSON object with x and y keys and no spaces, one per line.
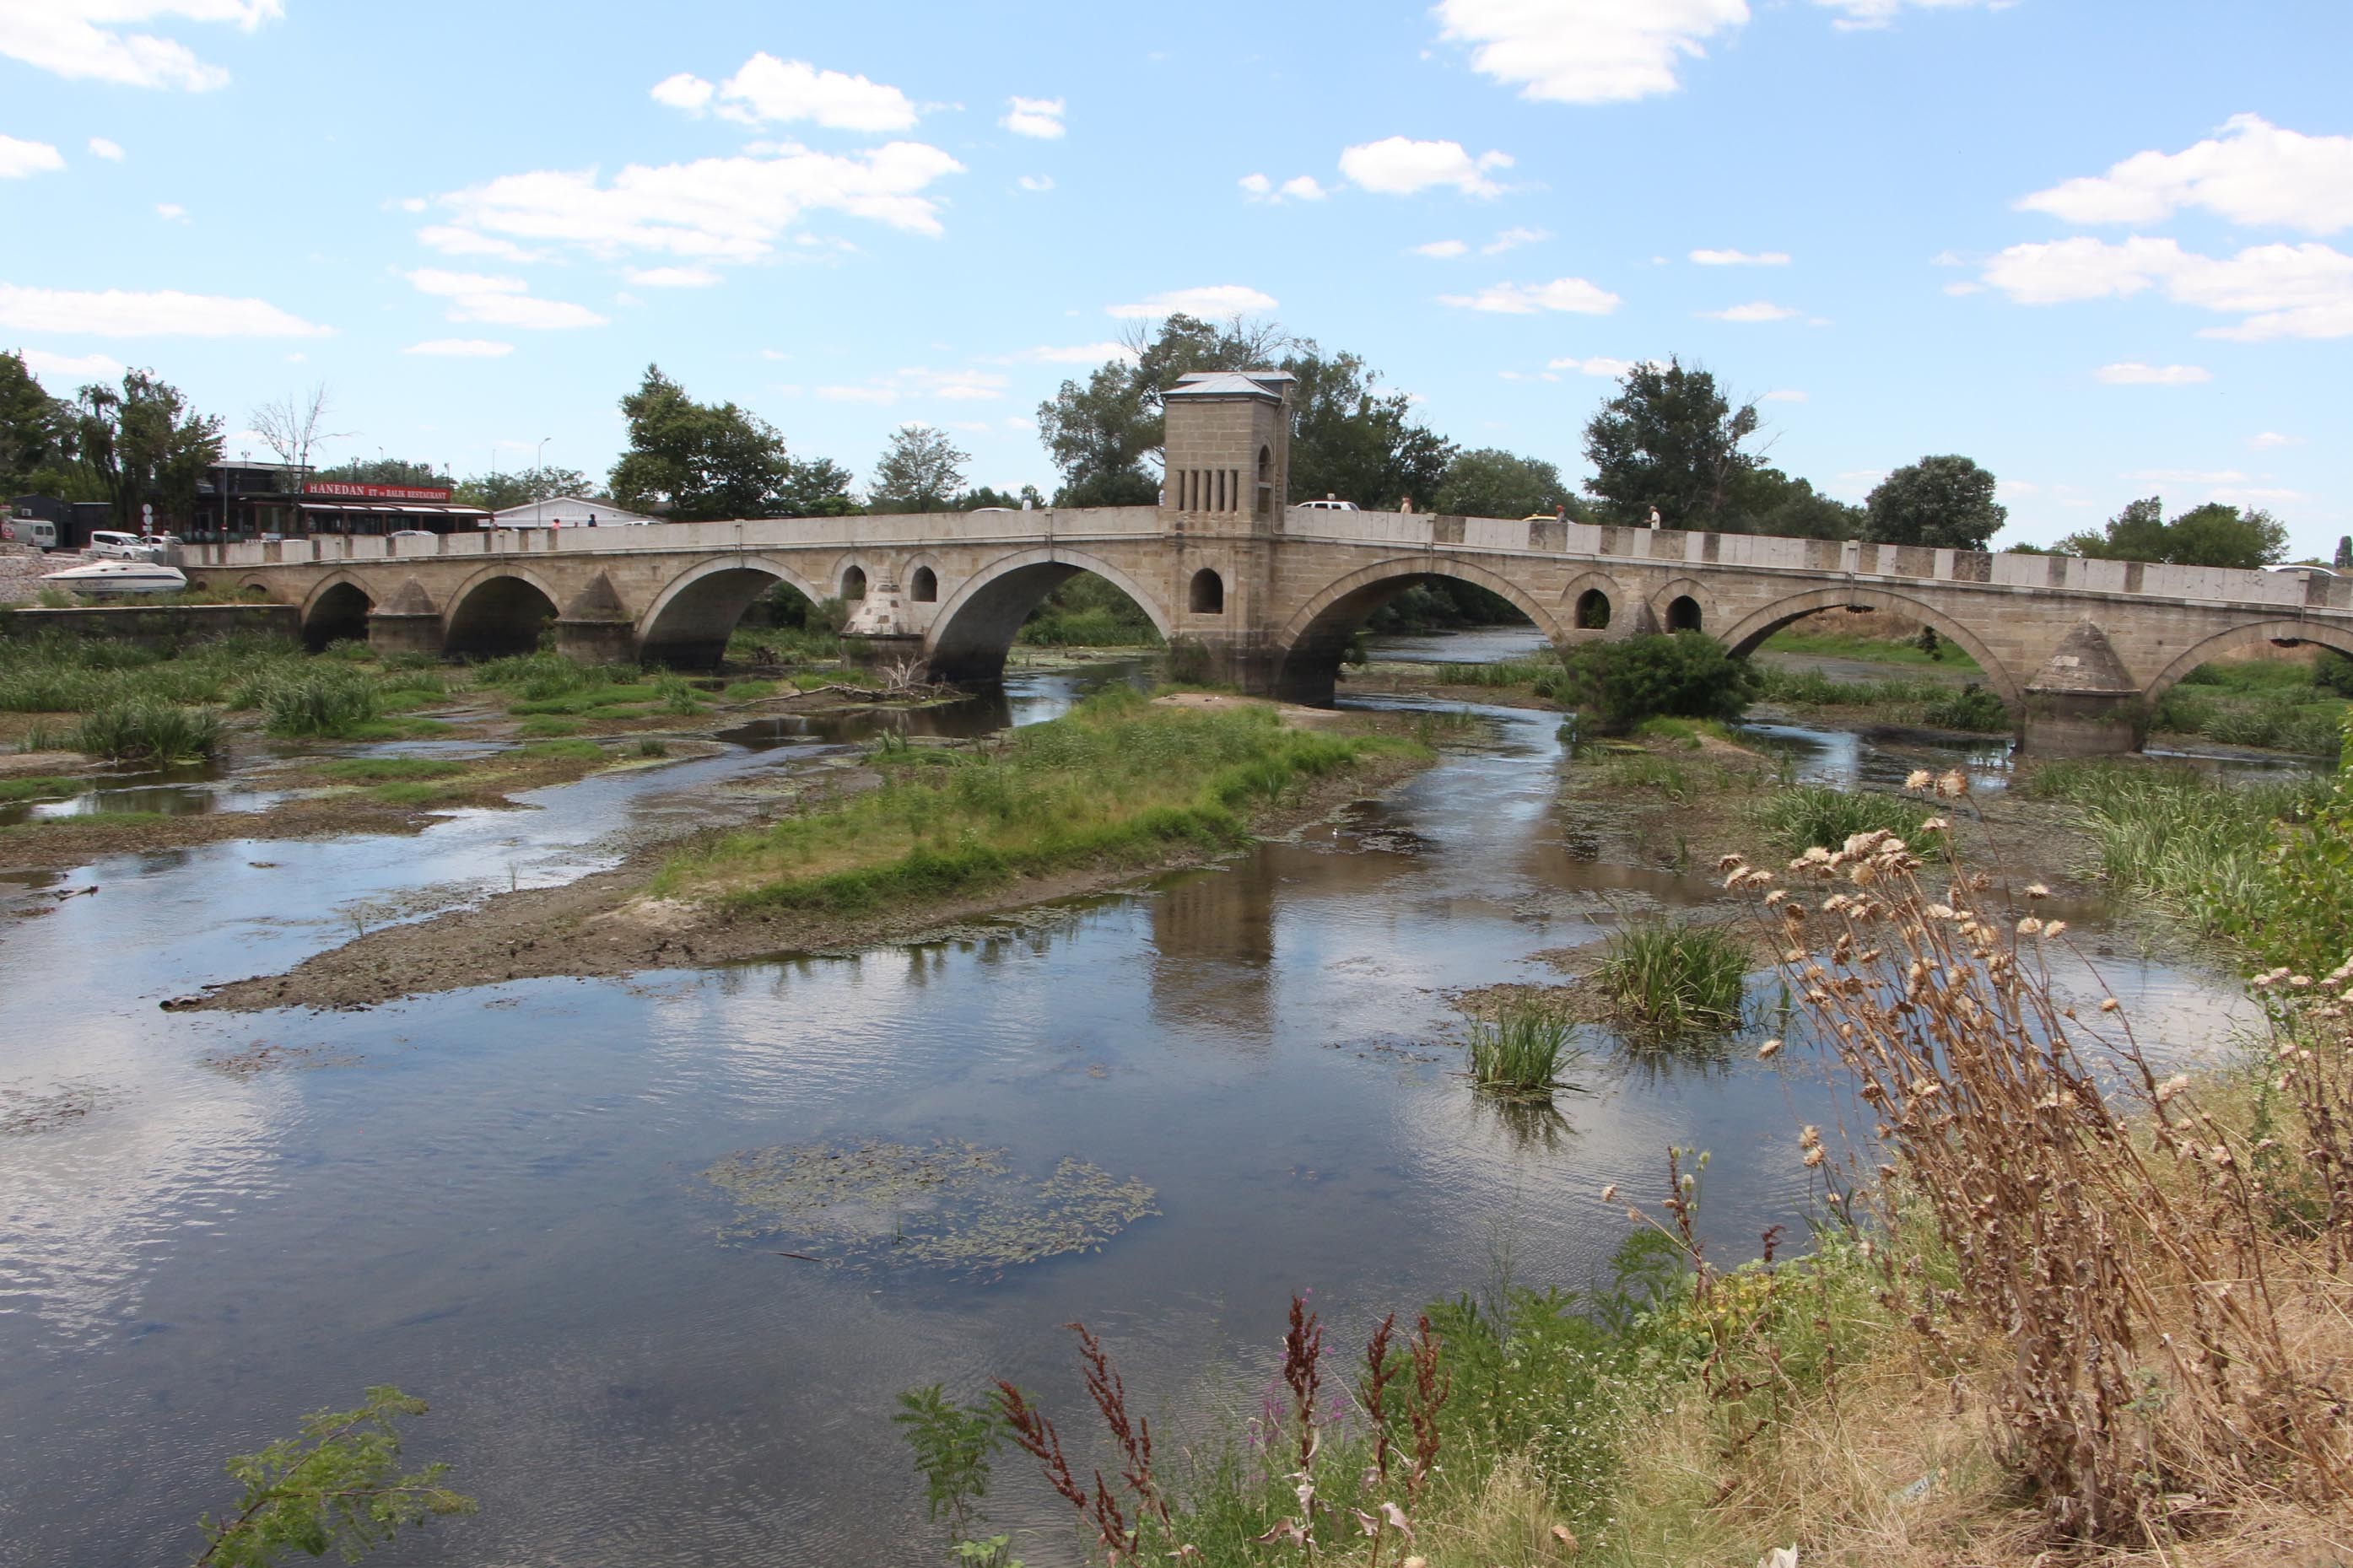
{"x":1269,"y":595}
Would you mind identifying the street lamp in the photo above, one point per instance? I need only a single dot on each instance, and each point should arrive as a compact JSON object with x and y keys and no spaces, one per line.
{"x":541,"y":461}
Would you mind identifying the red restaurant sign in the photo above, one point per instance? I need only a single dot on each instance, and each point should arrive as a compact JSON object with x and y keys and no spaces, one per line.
{"x":375,"y":492}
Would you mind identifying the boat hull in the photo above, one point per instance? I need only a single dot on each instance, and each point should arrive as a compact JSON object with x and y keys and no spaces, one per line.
{"x":127,"y":578}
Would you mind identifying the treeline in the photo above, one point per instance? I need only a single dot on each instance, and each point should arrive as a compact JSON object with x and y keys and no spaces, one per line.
{"x":133,"y":444}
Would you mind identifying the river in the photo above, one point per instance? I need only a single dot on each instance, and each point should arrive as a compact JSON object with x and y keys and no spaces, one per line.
{"x":494,"y":1199}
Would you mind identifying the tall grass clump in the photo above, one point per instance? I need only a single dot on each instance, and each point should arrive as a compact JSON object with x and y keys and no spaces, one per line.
{"x":1117,"y":782}
{"x":1805,"y":815}
{"x":1668,"y":977}
{"x":149,"y":731}
{"x":2149,"y":1289}
{"x":544,"y":675}
{"x":1520,"y":1053}
{"x":323,"y":700}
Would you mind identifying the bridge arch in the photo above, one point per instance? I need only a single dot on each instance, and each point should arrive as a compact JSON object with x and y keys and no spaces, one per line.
{"x":336,"y":610}
{"x":1309,"y":649}
{"x":2239,"y":639}
{"x":1595,"y":601}
{"x":501,"y":609}
{"x":688,"y":622}
{"x":1742,"y":638}
{"x":1684,"y":604}
{"x":974,"y":626}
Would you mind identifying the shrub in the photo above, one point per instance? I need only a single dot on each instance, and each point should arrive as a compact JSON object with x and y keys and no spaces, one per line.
{"x":1672,"y":978}
{"x":1688,"y":675}
{"x":323,"y":700}
{"x":1972,"y":708}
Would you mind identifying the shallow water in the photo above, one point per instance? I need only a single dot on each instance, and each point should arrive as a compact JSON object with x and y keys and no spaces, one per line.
{"x":491,"y":1198}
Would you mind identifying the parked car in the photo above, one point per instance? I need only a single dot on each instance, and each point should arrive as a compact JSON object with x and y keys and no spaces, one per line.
{"x":108,"y":545}
{"x":412,"y":533}
{"x":1328,"y":503}
{"x":33,"y":530}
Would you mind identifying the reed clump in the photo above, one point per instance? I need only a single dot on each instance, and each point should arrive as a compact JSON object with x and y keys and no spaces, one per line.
{"x":1806,"y":815}
{"x":1521,"y":1052}
{"x":148,"y":730}
{"x":1670,"y":977}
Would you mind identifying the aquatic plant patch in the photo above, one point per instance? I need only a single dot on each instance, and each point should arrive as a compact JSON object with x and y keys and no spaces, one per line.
{"x":949,"y":1205}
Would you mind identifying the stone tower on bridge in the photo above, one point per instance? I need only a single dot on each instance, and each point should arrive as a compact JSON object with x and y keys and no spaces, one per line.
{"x":1227,"y":456}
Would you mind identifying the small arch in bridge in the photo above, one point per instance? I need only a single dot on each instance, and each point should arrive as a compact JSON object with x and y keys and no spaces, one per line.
{"x":1682,"y":613}
{"x":339,"y":614}
{"x":1207,"y":594}
{"x":2246,"y":638}
{"x":1592,"y":611}
{"x":924,"y":586}
{"x":501,"y":615}
{"x":853,"y":583}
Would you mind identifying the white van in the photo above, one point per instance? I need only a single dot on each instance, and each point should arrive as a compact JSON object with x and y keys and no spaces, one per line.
{"x":108,"y":545}
{"x":32,"y":530}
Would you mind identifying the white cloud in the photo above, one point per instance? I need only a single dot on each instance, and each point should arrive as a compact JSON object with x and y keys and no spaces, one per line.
{"x":1755,"y":311}
{"x":171,"y":212}
{"x":2253,"y":495}
{"x":1077,"y":353}
{"x":18,"y":159}
{"x":100,"y":147}
{"x":1444,"y":250}
{"x":2271,"y":438}
{"x":501,"y":301}
{"x":2132,"y":373}
{"x":859,"y":393}
{"x":1785,"y":395}
{"x":461,"y":348}
{"x":2280,"y":290}
{"x":1599,"y":365}
{"x":1861,"y":14}
{"x":77,"y":369}
{"x":1039,"y":117}
{"x":731,"y":208}
{"x":1574,"y":294}
{"x":1858,"y":482}
{"x":1299,"y":188}
{"x":2185,"y":477}
{"x":685,"y":90}
{"x":1512,"y":239}
{"x":77,"y":38}
{"x":770,"y":92}
{"x":1036,"y":181}
{"x":673,"y":276}
{"x":1396,"y":166}
{"x":1586,"y":51}
{"x":950,"y":385}
{"x":1741,"y":258}
{"x":118,"y":313}
{"x":2251,"y":173}
{"x":1213,"y":302}
{"x":452,"y":241}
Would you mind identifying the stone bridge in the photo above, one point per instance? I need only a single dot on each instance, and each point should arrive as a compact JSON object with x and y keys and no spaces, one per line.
{"x":1270,"y":596}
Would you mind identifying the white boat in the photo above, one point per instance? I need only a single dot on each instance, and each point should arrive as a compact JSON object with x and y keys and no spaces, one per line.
{"x":119,"y":577}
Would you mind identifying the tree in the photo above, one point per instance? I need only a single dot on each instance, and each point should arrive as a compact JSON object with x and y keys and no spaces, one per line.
{"x":390,"y":471}
{"x":1945,"y":502}
{"x":694,"y":461}
{"x":1617,"y":685}
{"x":1491,"y":482}
{"x":920,"y":470}
{"x":1766,"y":500}
{"x":2344,"y":561}
{"x":2215,"y":535}
{"x":1351,"y":440}
{"x":1668,"y":439}
{"x":144,"y":445}
{"x":338,"y":1488}
{"x":295,"y":425}
{"x":496,"y":492}
{"x":818,"y":487}
{"x":35,"y":430}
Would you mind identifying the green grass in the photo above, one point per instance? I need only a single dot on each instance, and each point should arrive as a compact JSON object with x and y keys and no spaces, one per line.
{"x":46,"y":786}
{"x":390,"y":770}
{"x":320,"y":701}
{"x":653,"y":746}
{"x":1807,"y":815}
{"x":409,"y":793}
{"x":749,"y":691}
{"x":151,"y":732}
{"x":1671,"y":977}
{"x":567,"y":751}
{"x":587,"y":699}
{"x":1521,"y":1052}
{"x":1684,"y":732}
{"x":1115,"y":783}
{"x":1872,"y":650}
{"x":1541,"y":675}
{"x":541,"y":726}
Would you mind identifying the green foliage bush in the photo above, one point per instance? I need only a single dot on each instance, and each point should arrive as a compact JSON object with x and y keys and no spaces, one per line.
{"x":1617,"y":685}
{"x":149,"y":730}
{"x":1972,"y":708}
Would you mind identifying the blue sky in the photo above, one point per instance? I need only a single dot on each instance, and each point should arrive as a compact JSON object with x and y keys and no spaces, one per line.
{"x":2095,"y":245}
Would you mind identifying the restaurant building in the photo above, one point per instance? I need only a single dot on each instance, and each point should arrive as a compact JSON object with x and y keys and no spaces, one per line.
{"x":336,"y":505}
{"x":247,"y":501}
